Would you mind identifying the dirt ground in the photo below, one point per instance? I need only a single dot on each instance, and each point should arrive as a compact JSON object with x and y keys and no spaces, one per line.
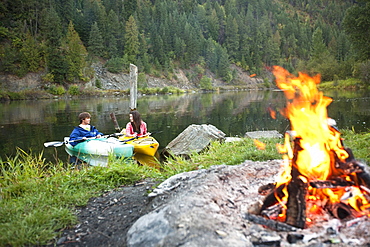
{"x":106,"y":219}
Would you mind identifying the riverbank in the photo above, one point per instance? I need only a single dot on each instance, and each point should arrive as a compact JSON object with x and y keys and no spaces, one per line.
{"x":47,"y":200}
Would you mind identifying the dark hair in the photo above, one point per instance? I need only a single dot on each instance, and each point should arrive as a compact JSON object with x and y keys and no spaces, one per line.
{"x":136,"y":121}
{"x":84,"y":115}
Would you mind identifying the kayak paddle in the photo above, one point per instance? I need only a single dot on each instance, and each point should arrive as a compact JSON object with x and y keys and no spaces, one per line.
{"x":60,"y":143}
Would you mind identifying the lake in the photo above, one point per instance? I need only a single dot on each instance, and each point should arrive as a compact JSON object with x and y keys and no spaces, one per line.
{"x":28,"y":124}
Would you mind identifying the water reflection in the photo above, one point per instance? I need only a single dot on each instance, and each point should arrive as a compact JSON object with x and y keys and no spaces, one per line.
{"x":28,"y":124}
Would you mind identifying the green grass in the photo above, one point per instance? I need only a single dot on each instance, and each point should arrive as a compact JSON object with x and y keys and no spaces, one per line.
{"x":230,"y":153}
{"x":38,"y":198}
{"x":351,"y":83}
{"x":358,"y":143}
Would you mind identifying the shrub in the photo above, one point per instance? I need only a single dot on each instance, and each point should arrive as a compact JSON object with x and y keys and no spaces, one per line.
{"x":205,"y":83}
{"x":98,"y":83}
{"x":16,"y":95}
{"x":165,"y":90}
{"x":48,"y":77}
{"x":56,"y":90}
{"x":74,"y":90}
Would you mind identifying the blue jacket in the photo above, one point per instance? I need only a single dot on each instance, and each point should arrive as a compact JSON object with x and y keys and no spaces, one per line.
{"x":79,"y":133}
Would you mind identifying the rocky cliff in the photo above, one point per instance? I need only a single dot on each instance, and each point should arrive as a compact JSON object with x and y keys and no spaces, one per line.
{"x":120,"y":81}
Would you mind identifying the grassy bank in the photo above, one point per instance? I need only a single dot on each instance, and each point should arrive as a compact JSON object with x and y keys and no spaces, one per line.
{"x":350,"y":84}
{"x":38,"y":198}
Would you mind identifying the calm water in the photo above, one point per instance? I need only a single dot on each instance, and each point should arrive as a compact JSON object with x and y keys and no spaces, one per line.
{"x":28,"y":124}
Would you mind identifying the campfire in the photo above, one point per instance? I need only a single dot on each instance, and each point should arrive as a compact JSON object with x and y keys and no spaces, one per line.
{"x":320,"y":178}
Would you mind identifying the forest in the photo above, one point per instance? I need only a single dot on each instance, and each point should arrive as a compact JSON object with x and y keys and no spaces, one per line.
{"x":62,"y":38}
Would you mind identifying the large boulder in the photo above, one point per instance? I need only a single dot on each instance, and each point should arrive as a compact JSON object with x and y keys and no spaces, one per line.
{"x":195,"y":138}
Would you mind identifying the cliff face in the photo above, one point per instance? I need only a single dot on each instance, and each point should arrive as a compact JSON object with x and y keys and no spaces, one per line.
{"x":121,"y":81}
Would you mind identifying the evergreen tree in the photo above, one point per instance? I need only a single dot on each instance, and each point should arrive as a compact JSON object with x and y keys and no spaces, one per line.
{"x":52,"y":29}
{"x":232,"y":37}
{"x":213,"y":25}
{"x":357,"y":25}
{"x":95,"y":44}
{"x":31,"y":55}
{"x":113,"y":32}
{"x":131,"y":39}
{"x":130,"y":7}
{"x":75,"y":54}
{"x":319,"y":48}
{"x":223,"y":64}
{"x":210,"y":55}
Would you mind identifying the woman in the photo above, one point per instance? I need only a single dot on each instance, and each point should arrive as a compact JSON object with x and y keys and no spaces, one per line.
{"x":136,"y":127}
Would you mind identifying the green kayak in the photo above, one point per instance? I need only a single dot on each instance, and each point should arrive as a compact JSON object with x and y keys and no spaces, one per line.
{"x":96,"y":151}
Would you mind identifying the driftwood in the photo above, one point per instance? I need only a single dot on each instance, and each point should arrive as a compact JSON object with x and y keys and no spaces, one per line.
{"x":195,"y":138}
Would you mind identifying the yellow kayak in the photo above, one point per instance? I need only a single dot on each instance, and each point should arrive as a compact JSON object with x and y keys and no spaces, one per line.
{"x":145,"y":145}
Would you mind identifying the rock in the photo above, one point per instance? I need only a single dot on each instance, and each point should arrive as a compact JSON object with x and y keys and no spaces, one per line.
{"x":233,"y":139}
{"x":195,"y":138}
{"x":205,"y":208}
{"x":264,"y":134}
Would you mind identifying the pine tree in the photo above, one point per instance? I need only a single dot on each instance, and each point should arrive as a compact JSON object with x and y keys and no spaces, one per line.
{"x":130,"y":7}
{"x":75,"y":54}
{"x":319,"y":49}
{"x":31,"y":55}
{"x":113,"y":30}
{"x":131,"y":39}
{"x":357,"y":25}
{"x":213,"y":25}
{"x":95,"y":44}
{"x":232,"y":37}
{"x":52,"y":29}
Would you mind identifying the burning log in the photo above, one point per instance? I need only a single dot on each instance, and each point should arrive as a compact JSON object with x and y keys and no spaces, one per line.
{"x":296,"y":204}
{"x":332,"y":184}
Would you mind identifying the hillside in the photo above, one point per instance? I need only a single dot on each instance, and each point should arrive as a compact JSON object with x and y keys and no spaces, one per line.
{"x":62,"y":39}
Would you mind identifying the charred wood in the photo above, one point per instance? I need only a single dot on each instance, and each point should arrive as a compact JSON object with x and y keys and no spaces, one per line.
{"x":331,"y":184}
{"x":266,"y":189}
{"x":272,"y":224}
{"x":340,"y":210}
{"x":294,"y":237}
{"x":297,"y":190}
{"x":296,"y":205}
{"x":273,"y":211}
{"x":270,"y":200}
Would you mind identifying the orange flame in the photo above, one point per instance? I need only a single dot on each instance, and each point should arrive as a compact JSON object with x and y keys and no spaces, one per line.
{"x":319,"y":143}
{"x":306,"y":110}
{"x":272,"y":112}
{"x":260,"y":145}
{"x":252,"y":75}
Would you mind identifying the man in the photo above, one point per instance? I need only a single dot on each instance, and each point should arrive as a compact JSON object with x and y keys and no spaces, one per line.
{"x":84,"y":130}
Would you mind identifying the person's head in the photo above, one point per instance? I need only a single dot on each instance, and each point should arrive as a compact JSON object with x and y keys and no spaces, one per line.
{"x":83,"y":116}
{"x":135,"y":120}
{"x":135,"y":116}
